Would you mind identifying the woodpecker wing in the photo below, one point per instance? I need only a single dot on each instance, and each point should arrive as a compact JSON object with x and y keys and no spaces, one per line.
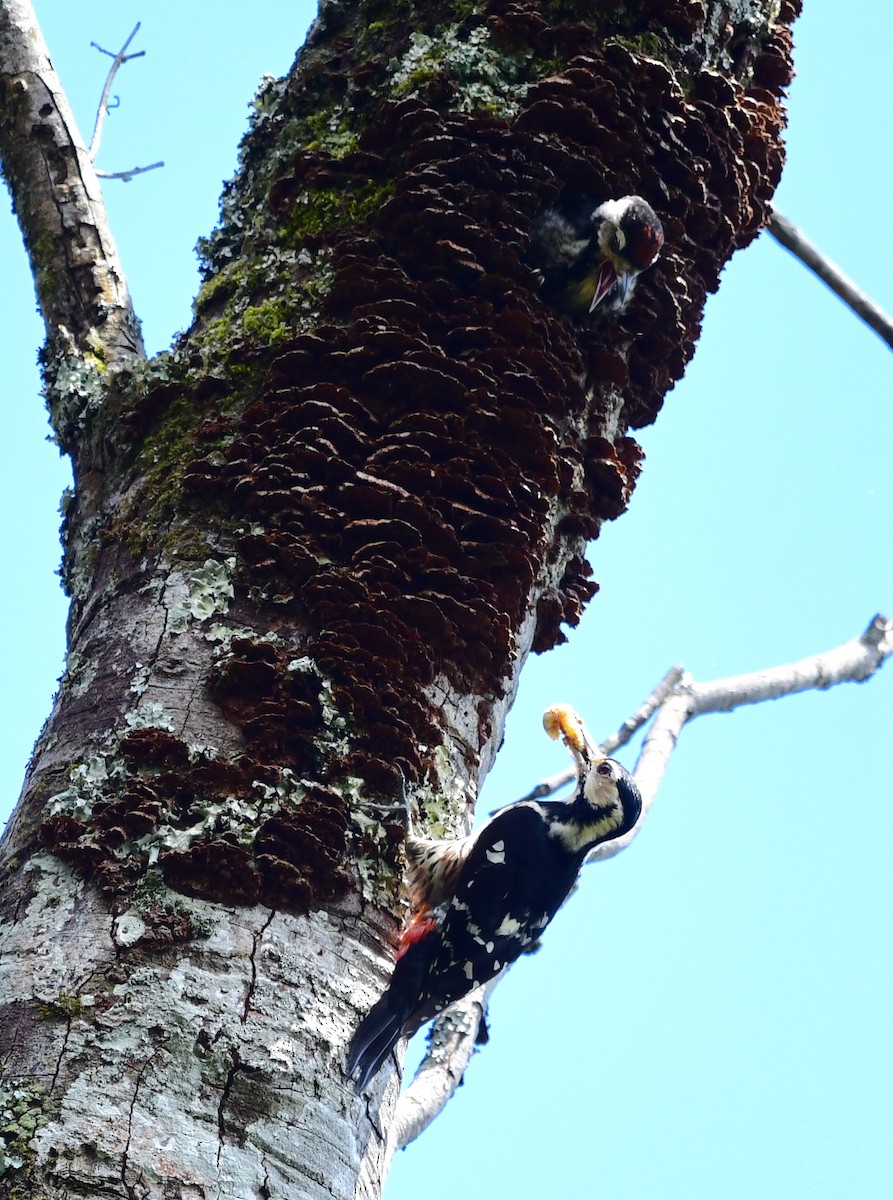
{"x":512,"y":882}
{"x":432,"y":868}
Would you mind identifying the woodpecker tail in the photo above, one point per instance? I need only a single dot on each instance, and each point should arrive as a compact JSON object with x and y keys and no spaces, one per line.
{"x":382,"y":1027}
{"x":375,"y":1038}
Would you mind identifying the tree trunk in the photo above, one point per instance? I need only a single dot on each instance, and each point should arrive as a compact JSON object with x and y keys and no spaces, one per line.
{"x":310,"y":548}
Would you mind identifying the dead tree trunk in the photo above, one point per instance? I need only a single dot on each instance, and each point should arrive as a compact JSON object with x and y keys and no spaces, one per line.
{"x":311,"y":547}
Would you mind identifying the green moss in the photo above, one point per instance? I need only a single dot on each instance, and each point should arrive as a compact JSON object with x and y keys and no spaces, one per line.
{"x":331,"y":209}
{"x":218,"y":289}
{"x":168,"y":448}
{"x":334,"y":130}
{"x":268,"y":321}
{"x":650,"y":44}
{"x":63,"y":1008}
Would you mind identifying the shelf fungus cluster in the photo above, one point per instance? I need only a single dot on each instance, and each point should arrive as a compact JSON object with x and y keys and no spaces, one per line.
{"x":407,"y":478}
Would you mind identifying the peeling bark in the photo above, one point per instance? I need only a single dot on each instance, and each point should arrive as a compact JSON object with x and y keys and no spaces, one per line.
{"x":311,"y":547}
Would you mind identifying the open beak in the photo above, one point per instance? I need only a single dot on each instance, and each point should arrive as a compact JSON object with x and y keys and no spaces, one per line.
{"x":608,"y":278}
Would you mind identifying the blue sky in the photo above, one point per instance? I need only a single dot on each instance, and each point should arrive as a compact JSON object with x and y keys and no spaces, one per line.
{"x":710,"y":1015}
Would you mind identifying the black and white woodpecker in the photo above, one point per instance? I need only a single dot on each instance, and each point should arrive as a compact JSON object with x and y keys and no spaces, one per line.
{"x":480,"y":901}
{"x":589,"y":257}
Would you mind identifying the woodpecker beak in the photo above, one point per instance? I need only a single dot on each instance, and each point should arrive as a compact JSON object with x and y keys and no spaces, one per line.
{"x":560,"y":720}
{"x":609,"y":277}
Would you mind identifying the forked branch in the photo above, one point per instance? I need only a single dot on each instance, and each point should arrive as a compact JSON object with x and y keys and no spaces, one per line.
{"x":677,"y":700}
{"x":118,"y":60}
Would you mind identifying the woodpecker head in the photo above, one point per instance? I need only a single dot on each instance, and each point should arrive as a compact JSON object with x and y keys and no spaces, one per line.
{"x":609,"y":789}
{"x":590,"y":257}
{"x":607,"y":799}
{"x":629,"y":236}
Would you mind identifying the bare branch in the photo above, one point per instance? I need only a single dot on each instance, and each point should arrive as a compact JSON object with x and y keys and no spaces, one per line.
{"x":126,"y":176}
{"x":676,"y":699}
{"x":451,"y":1044}
{"x":810,"y":255}
{"x":633,"y":724}
{"x":118,"y":60}
{"x":80,"y":285}
{"x":853,"y":662}
{"x":545,"y":787}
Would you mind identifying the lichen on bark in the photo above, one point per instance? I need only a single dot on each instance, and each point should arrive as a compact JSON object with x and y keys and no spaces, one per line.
{"x":311,"y":546}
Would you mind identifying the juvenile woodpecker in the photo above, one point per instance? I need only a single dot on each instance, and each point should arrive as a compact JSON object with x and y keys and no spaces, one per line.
{"x":589,"y":257}
{"x":481,"y":901}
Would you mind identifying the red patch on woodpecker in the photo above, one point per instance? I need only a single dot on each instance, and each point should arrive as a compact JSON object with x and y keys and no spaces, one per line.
{"x":643,"y":245}
{"x":607,"y":277}
{"x":418,"y":928}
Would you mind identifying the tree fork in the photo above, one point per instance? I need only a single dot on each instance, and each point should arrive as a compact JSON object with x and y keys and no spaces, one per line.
{"x":312,"y":546}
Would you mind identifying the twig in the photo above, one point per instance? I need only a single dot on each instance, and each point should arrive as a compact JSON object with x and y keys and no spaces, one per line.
{"x":679,"y":700}
{"x":626,"y":731}
{"x":128,"y":175}
{"x":118,"y":61}
{"x":810,"y":255}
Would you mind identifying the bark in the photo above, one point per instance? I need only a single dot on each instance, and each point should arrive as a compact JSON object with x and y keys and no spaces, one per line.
{"x":310,"y":549}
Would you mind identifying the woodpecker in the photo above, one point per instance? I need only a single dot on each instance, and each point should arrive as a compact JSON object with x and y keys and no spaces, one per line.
{"x":479,"y":902}
{"x":589,"y":257}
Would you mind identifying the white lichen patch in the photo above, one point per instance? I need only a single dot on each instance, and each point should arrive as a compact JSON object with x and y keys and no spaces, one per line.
{"x":333,"y":720}
{"x":282,"y":1054}
{"x":74,"y":390}
{"x":287,"y":788}
{"x":140,"y":680}
{"x":101,"y":777}
{"x":377,"y":880}
{"x":490,"y":79}
{"x":128,"y":928}
{"x":237,"y":816}
{"x":448,"y":807}
{"x":216,"y":1071}
{"x":79,"y":673}
{"x":200,"y":594}
{"x":149,"y":716}
{"x":89,"y":781}
{"x":223,"y":635}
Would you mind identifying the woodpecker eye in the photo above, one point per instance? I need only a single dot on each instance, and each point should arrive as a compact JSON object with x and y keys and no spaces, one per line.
{"x":604,"y":768}
{"x":618,"y":241}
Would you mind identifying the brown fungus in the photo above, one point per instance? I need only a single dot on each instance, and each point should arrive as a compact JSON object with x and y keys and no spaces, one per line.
{"x":403,"y":484}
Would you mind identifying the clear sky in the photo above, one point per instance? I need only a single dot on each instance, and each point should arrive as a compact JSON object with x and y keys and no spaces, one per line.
{"x":711,"y":1014}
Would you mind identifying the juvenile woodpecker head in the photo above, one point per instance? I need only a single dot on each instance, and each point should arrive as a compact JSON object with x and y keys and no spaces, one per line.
{"x":589,"y":257}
